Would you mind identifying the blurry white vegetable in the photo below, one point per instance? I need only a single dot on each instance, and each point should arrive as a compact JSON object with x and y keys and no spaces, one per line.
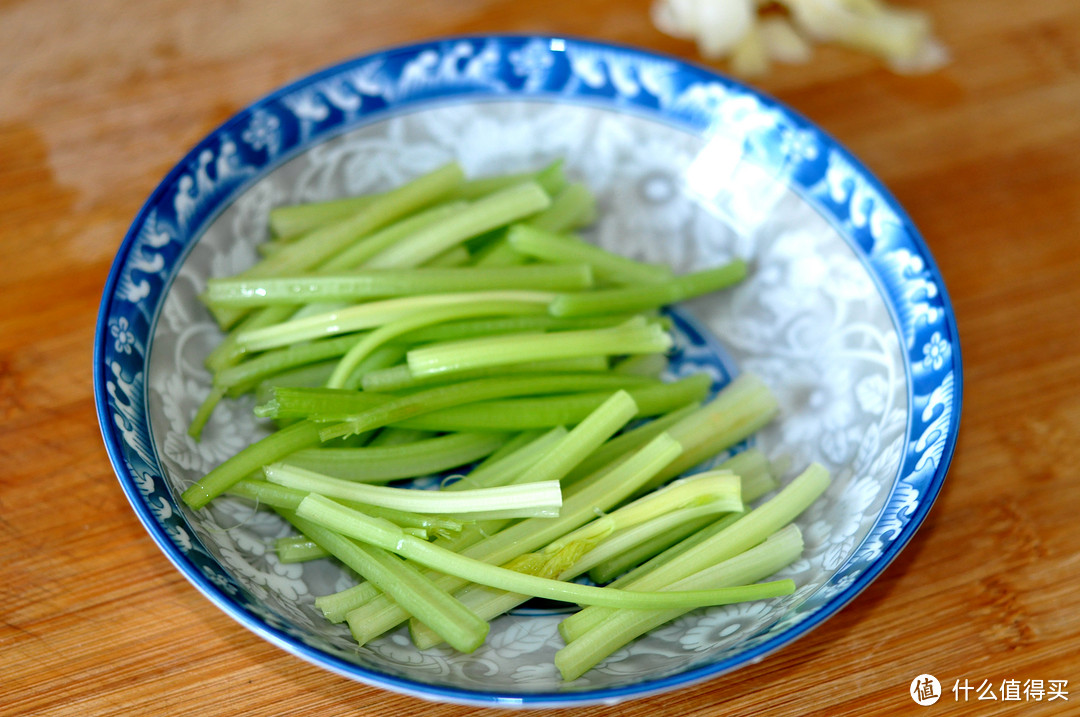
{"x":734,"y":29}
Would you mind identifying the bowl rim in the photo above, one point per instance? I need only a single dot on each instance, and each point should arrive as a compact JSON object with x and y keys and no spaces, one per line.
{"x":223,"y":601}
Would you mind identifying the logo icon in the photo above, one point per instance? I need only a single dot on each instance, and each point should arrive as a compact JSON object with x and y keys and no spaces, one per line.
{"x":925,"y":690}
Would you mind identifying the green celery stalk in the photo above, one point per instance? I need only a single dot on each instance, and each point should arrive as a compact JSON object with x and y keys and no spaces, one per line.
{"x":519,"y":414}
{"x":383,"y":534}
{"x":490,"y":212}
{"x":743,"y":534}
{"x":534,"y":241}
{"x":400,"y":408}
{"x":776,"y":552}
{"x":502,"y":350}
{"x":433,"y":606}
{"x":649,"y":296}
{"x":383,"y":463}
{"x":363,"y":285}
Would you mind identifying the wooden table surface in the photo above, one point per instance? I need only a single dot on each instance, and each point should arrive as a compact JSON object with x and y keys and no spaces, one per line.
{"x":98,"y":100}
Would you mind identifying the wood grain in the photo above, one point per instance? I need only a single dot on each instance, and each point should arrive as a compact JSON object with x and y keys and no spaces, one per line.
{"x":98,"y":100}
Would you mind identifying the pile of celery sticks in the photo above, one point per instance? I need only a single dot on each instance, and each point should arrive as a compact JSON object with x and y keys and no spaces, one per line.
{"x":457,"y":326}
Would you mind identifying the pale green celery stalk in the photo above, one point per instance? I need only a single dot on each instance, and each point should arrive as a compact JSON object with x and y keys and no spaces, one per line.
{"x":319,"y":245}
{"x":435,"y":607}
{"x":713,"y":486}
{"x":499,"y":253}
{"x":519,"y":414}
{"x":255,"y":369}
{"x":267,"y":450}
{"x":550,"y":177}
{"x":325,"y":512}
{"x":516,"y":442}
{"x":382,"y":614}
{"x":752,"y":468}
{"x":269,"y":247}
{"x":228,"y":351}
{"x":483,"y":215}
{"x":357,"y":255}
{"x":368,"y":316}
{"x":649,"y":296}
{"x":510,"y":467}
{"x":573,"y":207}
{"x":415,"y":404}
{"x":304,"y":401}
{"x":298,"y":549}
{"x":503,"y":350}
{"x":399,"y":378}
{"x":473,"y":328}
{"x":289,"y":221}
{"x":454,"y":257}
{"x":739,"y":410}
{"x":595,"y":542}
{"x":381,"y":358}
{"x":363,"y":285}
{"x":515,"y":501}
{"x":628,"y":441}
{"x":773,"y":554}
{"x":387,"y":437}
{"x":746,"y":532}
{"x":278,"y":496}
{"x":502,"y":472}
{"x":310,"y":375}
{"x":642,"y":365}
{"x":384,"y":463}
{"x":608,"y":267}
{"x":435,"y":315}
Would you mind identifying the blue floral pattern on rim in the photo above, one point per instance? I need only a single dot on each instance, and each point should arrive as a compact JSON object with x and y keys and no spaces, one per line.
{"x":692,"y":99}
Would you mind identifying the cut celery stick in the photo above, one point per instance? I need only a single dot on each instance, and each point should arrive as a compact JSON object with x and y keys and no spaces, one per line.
{"x":519,"y":414}
{"x":608,"y":267}
{"x":289,"y":221}
{"x":319,"y":245}
{"x":483,"y":215}
{"x":298,"y":549}
{"x":642,"y":365}
{"x":432,"y":399}
{"x":503,"y":350}
{"x":363,"y":285}
{"x":272,"y":448}
{"x":382,"y":463}
{"x":388,"y":437}
{"x":776,"y":552}
{"x":609,"y":535}
{"x":473,"y":328}
{"x":743,"y":534}
{"x":381,"y":614}
{"x":502,"y":472}
{"x":433,"y":606}
{"x":649,"y":296}
{"x":368,"y":316}
{"x":528,"y":500}
{"x":455,"y":256}
{"x":272,"y":362}
{"x":279,"y":496}
{"x":752,"y":468}
{"x":435,"y":315}
{"x":383,"y":534}
{"x":399,"y":378}
{"x":573,"y":207}
{"x":303,"y":401}
{"x":357,"y":255}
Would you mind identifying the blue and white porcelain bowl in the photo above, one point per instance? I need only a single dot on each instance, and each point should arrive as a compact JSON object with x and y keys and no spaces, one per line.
{"x":845,"y":316}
